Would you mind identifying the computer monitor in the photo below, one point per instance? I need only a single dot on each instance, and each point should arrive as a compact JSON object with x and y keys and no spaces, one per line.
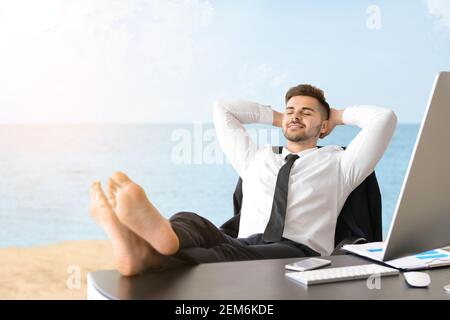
{"x":422,"y":216}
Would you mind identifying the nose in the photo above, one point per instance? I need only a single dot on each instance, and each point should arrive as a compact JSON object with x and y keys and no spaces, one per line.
{"x":296,"y":117}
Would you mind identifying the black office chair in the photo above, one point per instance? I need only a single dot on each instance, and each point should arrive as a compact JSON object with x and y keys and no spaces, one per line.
{"x":359,"y":220}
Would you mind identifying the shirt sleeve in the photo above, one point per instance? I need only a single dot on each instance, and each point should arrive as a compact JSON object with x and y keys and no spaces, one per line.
{"x":229,"y":117}
{"x":367,"y":148}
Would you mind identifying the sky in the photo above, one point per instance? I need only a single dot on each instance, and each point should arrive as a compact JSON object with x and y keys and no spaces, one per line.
{"x":165,"y":61}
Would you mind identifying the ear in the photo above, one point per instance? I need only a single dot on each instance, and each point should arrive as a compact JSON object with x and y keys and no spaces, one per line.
{"x":324,"y":126}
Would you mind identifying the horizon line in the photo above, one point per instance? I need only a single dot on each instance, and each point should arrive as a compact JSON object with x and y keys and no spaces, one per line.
{"x":128,"y":123}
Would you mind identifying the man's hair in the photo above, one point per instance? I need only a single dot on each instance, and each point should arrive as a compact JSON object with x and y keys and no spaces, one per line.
{"x":309,"y":91}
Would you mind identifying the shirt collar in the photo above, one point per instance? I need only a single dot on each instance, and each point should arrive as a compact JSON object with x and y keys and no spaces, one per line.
{"x":285,"y":152}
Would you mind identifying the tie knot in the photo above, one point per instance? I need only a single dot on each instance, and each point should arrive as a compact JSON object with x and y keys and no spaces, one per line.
{"x":292,"y":157}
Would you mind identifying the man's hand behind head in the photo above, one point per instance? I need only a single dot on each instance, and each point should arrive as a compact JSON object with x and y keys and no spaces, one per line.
{"x":334,"y":120}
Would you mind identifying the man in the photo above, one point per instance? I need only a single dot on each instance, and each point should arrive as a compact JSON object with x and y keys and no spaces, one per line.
{"x":291,"y":201}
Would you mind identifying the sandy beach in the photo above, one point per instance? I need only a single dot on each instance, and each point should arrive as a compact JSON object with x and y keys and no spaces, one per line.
{"x":52,"y":271}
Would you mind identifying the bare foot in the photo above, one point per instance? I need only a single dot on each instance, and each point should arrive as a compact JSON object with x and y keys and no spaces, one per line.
{"x":132,"y":253}
{"x":135,"y":211}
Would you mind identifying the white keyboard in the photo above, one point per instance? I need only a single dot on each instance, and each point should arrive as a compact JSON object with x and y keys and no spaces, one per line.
{"x":341,"y":274}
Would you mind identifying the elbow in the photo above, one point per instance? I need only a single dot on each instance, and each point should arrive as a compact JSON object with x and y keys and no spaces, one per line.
{"x":390,"y":120}
{"x":218,"y":106}
{"x":220,"y":112}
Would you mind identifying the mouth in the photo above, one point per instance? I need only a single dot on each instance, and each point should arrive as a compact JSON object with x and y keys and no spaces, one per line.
{"x":295,"y":125}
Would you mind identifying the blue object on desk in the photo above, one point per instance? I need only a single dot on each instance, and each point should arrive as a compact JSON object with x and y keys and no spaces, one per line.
{"x":427,"y":252}
{"x":435,"y":256}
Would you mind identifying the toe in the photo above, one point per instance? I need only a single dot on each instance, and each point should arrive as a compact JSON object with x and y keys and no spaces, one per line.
{"x":111,"y":193}
{"x":112,"y":198}
{"x":102,"y":197}
{"x":112,"y":186}
{"x":112,"y":190}
{"x":120,"y":178}
{"x":94,"y":190}
{"x":95,"y":186}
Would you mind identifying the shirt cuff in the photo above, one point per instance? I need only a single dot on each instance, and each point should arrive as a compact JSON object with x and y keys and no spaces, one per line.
{"x":349,"y":114}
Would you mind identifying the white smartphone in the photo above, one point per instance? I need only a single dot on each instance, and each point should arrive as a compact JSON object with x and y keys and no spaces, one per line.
{"x":307,"y":264}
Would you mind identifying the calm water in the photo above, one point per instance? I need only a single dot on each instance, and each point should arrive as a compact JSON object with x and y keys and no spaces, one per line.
{"x":46,"y":172}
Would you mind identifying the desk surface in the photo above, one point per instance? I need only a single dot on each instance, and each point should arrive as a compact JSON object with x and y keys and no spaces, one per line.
{"x":259,"y":280}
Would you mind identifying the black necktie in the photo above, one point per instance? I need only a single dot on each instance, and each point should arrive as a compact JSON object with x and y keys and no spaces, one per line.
{"x":274,"y":229}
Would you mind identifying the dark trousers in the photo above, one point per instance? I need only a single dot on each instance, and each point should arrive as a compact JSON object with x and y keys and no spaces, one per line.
{"x":202,"y":242}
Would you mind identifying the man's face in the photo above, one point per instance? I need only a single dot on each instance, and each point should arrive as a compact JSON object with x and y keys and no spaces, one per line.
{"x":302,"y":119}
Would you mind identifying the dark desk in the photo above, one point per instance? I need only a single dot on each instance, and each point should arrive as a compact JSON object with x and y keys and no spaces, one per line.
{"x":262,"y":279}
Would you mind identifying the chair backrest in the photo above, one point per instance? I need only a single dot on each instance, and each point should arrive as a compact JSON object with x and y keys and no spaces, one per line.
{"x":360,"y":216}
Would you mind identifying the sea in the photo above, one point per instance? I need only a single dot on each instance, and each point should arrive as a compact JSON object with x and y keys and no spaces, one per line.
{"x":46,"y":172}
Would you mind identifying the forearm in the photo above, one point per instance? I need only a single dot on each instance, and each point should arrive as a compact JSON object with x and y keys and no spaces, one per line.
{"x":245,"y":112}
{"x":364,"y":116}
{"x":367,"y":148}
{"x":229,"y":120}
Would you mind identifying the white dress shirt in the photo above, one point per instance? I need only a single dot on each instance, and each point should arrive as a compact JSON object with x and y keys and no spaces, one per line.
{"x":320,"y":180}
